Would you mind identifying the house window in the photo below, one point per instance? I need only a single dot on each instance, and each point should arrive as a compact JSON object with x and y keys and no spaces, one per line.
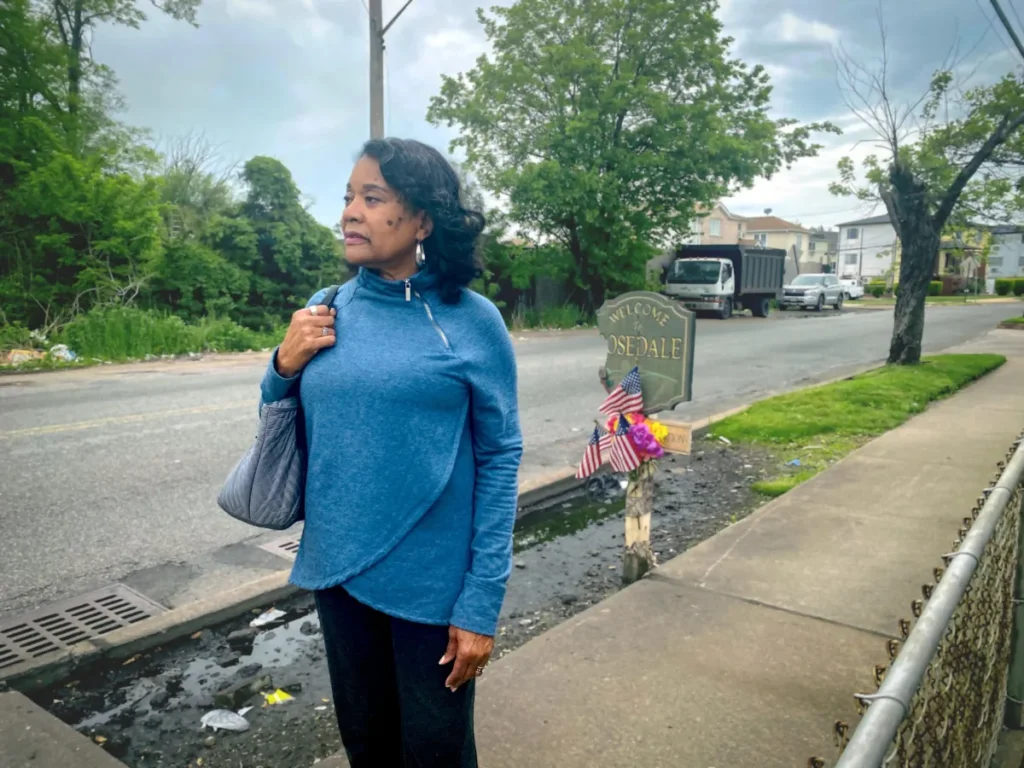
{"x":799,"y":242}
{"x":715,"y":227}
{"x":851,"y":259}
{"x":761,"y":238}
{"x":852,"y":233}
{"x":811,"y":245}
{"x":995,"y":261}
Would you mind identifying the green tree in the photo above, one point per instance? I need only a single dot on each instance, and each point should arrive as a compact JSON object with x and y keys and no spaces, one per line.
{"x":74,"y":21}
{"x":953,"y":154}
{"x":604,"y":123}
{"x":295,"y":255}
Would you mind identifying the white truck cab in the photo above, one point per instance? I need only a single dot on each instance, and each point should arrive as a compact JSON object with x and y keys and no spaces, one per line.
{"x":701,"y":284}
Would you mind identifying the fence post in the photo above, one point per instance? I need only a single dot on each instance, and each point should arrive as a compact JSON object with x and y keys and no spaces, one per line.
{"x":1015,"y":677}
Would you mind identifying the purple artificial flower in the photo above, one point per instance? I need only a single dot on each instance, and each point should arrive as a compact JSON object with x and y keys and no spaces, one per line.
{"x":645,"y":441}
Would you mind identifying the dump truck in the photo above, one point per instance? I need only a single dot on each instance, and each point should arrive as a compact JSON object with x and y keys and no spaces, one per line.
{"x":726,"y":278}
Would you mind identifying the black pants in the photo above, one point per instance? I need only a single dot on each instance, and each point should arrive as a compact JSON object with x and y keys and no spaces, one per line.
{"x":393,"y":708}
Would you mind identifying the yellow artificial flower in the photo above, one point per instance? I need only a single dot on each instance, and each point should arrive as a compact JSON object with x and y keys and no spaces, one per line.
{"x":659,"y":430}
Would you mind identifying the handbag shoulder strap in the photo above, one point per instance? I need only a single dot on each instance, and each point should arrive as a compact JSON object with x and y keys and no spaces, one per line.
{"x":332,"y":291}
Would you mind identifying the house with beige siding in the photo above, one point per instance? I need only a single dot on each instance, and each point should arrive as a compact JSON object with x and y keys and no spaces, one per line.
{"x":719,"y":226}
{"x":794,"y":239}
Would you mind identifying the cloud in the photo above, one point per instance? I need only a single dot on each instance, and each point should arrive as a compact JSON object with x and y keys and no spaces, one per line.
{"x":252,"y":9}
{"x":789,"y":28}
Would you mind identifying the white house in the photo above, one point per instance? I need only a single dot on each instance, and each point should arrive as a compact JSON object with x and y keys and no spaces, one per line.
{"x":867,"y":248}
{"x":1006,"y":257}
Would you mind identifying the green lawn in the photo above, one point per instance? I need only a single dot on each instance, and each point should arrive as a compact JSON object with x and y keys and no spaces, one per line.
{"x":1015,"y":321}
{"x":889,"y":301}
{"x":815,"y":427}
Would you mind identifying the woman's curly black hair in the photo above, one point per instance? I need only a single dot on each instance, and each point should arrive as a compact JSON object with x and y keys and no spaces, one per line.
{"x":427,"y":182}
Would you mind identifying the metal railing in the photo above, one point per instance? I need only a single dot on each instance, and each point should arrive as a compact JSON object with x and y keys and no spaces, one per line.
{"x":941,"y":703}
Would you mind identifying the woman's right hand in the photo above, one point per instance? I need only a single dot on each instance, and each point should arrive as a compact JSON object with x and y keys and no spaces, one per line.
{"x":311,"y":329}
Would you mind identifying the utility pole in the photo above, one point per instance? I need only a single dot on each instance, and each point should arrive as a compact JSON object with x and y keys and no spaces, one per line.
{"x":1006,"y":24}
{"x":377,"y":31}
{"x":376,"y":70}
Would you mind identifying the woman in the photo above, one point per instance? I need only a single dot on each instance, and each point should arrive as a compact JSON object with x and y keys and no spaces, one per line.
{"x":408,"y":386}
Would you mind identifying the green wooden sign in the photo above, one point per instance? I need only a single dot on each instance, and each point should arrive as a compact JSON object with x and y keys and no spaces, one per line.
{"x":655,"y":333}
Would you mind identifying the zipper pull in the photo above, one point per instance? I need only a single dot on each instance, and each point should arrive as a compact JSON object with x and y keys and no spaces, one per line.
{"x":408,"y":291}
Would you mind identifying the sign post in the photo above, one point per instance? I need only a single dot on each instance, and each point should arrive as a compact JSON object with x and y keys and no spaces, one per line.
{"x":656,"y":335}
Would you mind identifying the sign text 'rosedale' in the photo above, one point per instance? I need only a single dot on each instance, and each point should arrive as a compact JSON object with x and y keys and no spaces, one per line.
{"x":656,"y":334}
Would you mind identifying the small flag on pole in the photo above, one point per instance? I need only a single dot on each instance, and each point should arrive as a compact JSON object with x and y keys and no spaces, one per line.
{"x":592,"y":457}
{"x":625,"y":457}
{"x":625,"y":398}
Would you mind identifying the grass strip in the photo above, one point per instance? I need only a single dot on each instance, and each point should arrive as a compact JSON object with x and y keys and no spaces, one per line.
{"x":814,"y":428}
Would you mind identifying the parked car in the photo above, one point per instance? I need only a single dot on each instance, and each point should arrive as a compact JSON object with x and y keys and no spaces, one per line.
{"x":852,"y":287}
{"x":813,"y":292}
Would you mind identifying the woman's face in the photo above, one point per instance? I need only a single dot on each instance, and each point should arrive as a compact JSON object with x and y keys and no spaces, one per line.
{"x":380,"y":231}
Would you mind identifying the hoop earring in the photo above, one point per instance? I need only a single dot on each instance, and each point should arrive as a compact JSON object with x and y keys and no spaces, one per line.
{"x":421,"y":257}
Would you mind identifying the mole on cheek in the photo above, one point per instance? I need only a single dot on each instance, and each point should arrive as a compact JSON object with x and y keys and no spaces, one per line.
{"x":391,"y":223}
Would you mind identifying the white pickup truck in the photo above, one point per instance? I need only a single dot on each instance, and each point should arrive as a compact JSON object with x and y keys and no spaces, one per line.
{"x":852,"y":287}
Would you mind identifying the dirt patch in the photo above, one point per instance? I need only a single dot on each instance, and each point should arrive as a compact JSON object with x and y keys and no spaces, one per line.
{"x":147,"y":711}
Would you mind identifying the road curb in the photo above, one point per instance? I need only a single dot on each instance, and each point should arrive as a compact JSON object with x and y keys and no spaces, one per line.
{"x":229,"y":604}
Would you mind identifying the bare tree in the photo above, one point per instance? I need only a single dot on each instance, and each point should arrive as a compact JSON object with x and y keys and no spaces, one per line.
{"x":945,"y":155}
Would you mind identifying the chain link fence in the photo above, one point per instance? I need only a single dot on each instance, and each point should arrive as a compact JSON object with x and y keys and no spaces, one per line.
{"x":953,"y":716}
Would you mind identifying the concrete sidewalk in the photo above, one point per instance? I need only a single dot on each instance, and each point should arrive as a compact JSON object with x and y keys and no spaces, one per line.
{"x":30,"y":737}
{"x":746,"y":649}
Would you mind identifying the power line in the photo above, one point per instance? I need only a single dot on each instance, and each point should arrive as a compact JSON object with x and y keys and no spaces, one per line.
{"x":1015,"y":14}
{"x":1009,"y":29}
{"x":993,"y":27}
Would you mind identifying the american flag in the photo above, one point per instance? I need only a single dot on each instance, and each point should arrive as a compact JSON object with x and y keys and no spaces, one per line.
{"x":624,"y":454}
{"x":592,"y":457}
{"x":625,"y":398}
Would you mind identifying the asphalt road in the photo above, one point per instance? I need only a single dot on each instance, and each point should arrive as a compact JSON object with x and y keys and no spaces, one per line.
{"x":112,"y":473}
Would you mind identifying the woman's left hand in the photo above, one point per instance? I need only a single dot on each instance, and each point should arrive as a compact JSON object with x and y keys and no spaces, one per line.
{"x":470,"y":652}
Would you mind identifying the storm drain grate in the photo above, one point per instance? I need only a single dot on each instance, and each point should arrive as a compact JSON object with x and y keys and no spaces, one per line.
{"x":58,"y":626}
{"x":287,"y":547}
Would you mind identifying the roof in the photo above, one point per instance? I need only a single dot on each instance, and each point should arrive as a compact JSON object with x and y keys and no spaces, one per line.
{"x":1007,"y":229}
{"x":883,"y":219}
{"x":702,"y":213}
{"x":772,"y":224}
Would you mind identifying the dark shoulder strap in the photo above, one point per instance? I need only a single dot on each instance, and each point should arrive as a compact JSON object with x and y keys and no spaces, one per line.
{"x":329,"y":296}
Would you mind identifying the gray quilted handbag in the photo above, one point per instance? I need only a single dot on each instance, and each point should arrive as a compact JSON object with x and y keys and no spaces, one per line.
{"x":267,"y":485}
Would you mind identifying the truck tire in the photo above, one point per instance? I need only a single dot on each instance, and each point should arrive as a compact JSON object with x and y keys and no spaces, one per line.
{"x":821,"y":303}
{"x":839,"y":302}
{"x":761,"y":307}
{"x":726,"y":311}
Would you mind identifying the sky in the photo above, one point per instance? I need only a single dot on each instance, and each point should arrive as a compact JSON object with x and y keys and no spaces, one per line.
{"x":289,"y":78}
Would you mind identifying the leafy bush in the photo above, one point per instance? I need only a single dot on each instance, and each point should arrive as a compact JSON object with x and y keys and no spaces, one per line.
{"x":877,"y":289}
{"x":127,"y":333}
{"x":1004,"y":286}
{"x":1018,"y":286}
{"x":935,"y":288}
{"x":16,"y":336}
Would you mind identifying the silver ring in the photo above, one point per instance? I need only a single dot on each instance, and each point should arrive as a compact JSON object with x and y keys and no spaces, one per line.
{"x":324,"y":331}
{"x":313,"y":310}
{"x":479,"y":671}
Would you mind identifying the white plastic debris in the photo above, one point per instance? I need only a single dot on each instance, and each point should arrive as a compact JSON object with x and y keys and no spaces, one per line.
{"x":269,"y":616}
{"x":725,"y":439}
{"x":224,"y":720}
{"x":243,"y":711}
{"x":61,"y":352}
